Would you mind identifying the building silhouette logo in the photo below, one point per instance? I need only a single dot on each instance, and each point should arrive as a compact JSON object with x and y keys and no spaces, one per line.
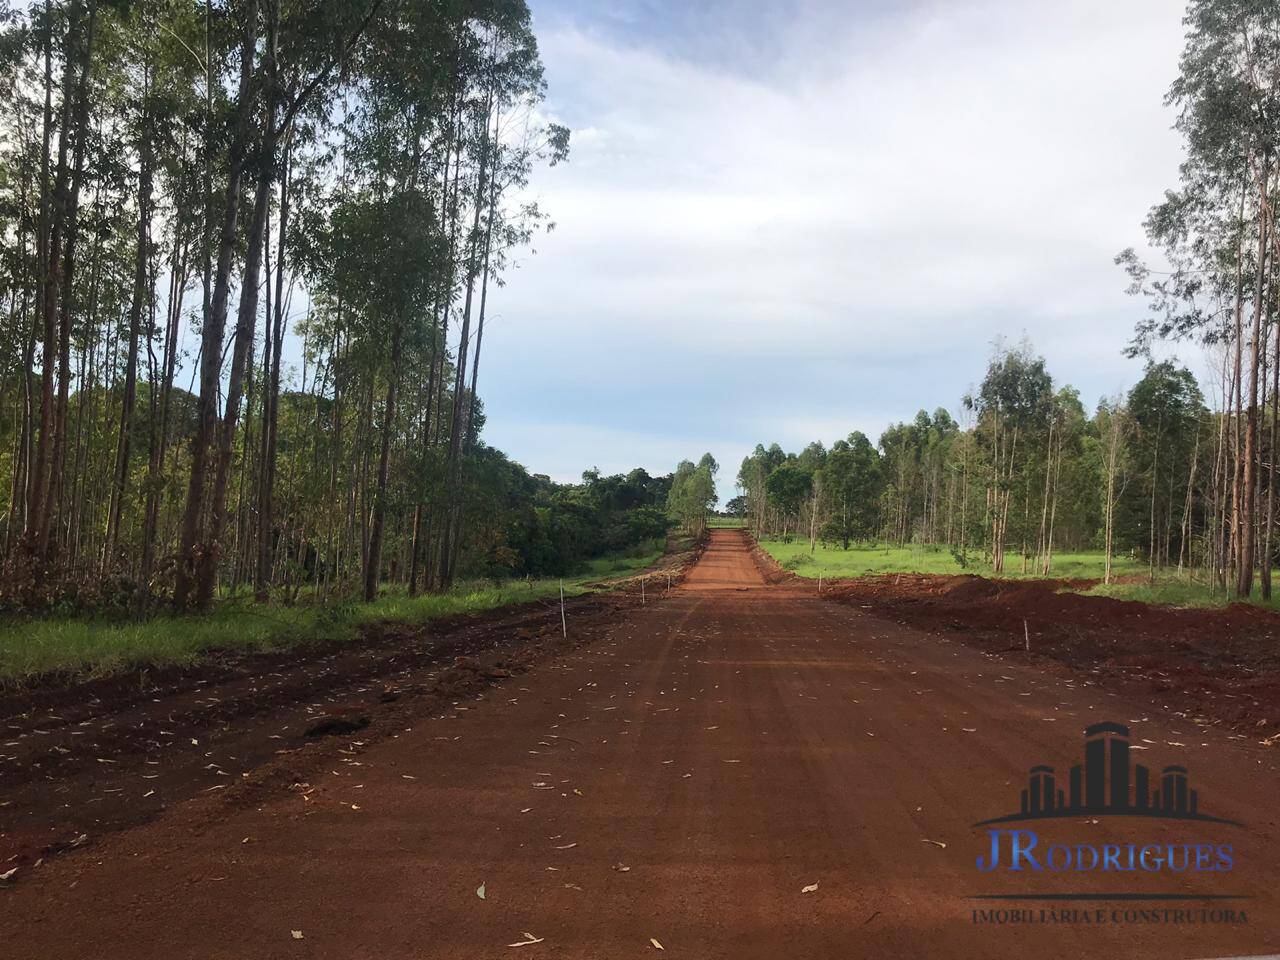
{"x":1107,"y":784}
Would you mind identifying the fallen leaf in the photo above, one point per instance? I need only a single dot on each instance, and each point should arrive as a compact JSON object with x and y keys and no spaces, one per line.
{"x":811,"y":888}
{"x":480,"y":891}
{"x":568,"y":846}
{"x":528,"y":939}
{"x":622,"y":868}
{"x":656,"y":944}
{"x":8,"y":875}
{"x":297,"y":934}
{"x":936,"y":843}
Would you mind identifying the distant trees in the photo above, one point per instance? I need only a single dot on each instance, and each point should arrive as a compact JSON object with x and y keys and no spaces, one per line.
{"x":1033,"y":475}
{"x":1184,"y":480}
{"x":693,"y":494}
{"x":915,"y":455}
{"x":1166,"y":409}
{"x":852,"y":482}
{"x":752,"y":475}
{"x":1013,"y":407}
{"x":1112,"y":460}
{"x":786,"y":489}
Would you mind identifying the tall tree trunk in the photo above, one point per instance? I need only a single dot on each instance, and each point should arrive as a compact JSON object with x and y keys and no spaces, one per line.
{"x":1237,"y":390}
{"x":1244,"y":579}
{"x":1271,"y":468}
{"x":373,"y":563}
{"x":459,"y":425}
{"x":246,"y":323}
{"x":271,"y":403}
{"x":192,"y":562}
{"x":120,"y":478}
{"x":55,"y":502}
{"x":54,"y":205}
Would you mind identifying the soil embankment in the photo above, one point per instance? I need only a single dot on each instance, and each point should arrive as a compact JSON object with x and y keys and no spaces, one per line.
{"x":1220,"y":665}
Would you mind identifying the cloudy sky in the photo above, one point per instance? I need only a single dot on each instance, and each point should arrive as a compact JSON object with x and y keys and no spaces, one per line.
{"x":783,"y":220}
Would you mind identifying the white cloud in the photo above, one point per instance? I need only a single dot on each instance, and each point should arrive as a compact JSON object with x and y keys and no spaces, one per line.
{"x":835,"y":239}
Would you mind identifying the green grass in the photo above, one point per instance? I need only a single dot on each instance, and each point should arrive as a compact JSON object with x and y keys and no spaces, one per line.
{"x":620,"y":565}
{"x":1178,"y":592}
{"x":726,"y":523}
{"x":98,"y":647}
{"x":864,"y":559}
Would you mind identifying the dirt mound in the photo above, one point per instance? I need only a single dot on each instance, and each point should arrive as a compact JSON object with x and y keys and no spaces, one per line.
{"x":1220,"y":664}
{"x":968,"y":589}
{"x":1210,"y":664}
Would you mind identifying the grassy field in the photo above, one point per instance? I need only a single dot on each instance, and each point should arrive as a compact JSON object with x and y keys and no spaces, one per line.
{"x":862,"y":559}
{"x":98,"y":647}
{"x":726,"y":523}
{"x":1180,"y":592}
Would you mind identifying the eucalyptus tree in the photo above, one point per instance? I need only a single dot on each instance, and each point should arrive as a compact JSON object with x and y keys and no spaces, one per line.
{"x":692,"y":495}
{"x":1012,"y":406}
{"x":1166,"y":409}
{"x":852,"y":485}
{"x":1217,"y":228}
{"x":752,"y":475}
{"x":787,"y":487}
{"x":509,"y":76}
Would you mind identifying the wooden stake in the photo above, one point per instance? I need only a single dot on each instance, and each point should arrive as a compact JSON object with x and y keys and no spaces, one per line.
{"x":1026,"y":634}
{"x":564,"y":626}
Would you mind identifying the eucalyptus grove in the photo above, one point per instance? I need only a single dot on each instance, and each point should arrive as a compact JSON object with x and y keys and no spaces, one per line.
{"x":189,"y":189}
{"x":1031,"y":475}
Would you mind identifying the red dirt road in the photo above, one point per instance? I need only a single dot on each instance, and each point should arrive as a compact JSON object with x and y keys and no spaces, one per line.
{"x":681,"y":782}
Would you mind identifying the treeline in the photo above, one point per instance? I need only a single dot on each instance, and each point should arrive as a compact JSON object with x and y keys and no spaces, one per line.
{"x":1155,"y":473}
{"x":1032,"y":473}
{"x":187,"y":187}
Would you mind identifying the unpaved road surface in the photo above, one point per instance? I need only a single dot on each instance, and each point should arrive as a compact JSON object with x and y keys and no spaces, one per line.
{"x":682,"y":781}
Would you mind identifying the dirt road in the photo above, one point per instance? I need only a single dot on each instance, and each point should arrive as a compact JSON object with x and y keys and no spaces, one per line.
{"x":684,"y":781}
